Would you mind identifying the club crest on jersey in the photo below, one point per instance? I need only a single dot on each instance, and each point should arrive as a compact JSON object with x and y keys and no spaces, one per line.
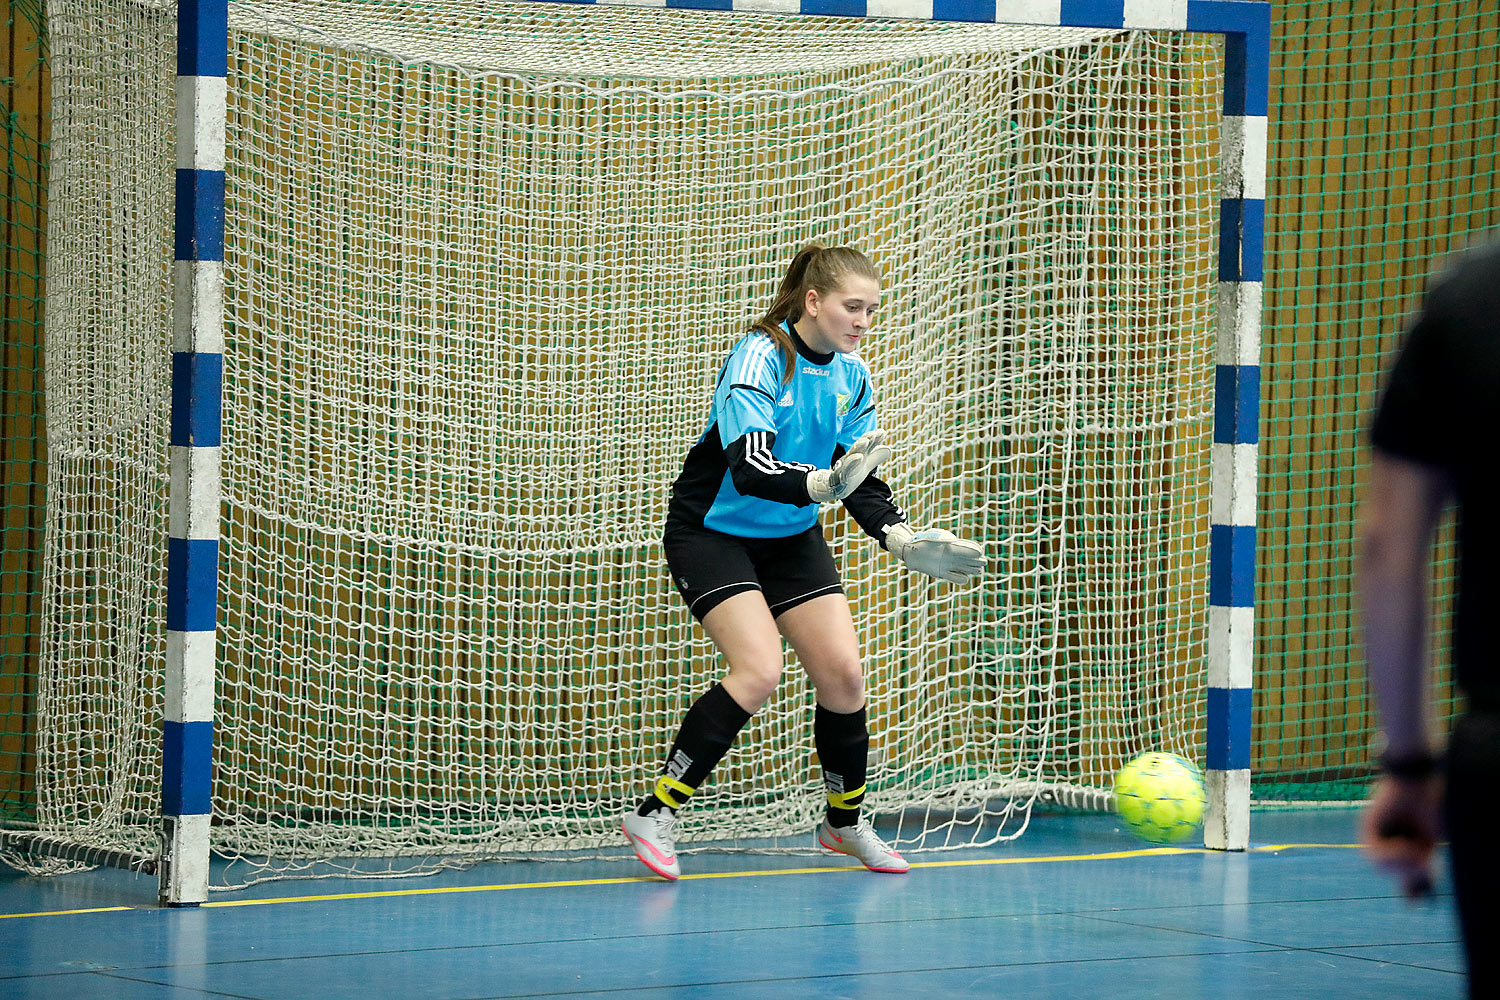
{"x":785,"y":400}
{"x":843,"y":403}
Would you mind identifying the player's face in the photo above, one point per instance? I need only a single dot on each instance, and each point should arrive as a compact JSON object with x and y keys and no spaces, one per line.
{"x":837,"y":321}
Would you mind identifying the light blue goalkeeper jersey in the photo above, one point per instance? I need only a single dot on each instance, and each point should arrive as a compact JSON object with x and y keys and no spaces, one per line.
{"x":766,"y":437}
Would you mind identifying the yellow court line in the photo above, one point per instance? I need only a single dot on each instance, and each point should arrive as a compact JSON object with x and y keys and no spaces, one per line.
{"x":1143,"y":852}
{"x":626,"y":880}
{"x":67,"y":913}
{"x":439,"y":890}
{"x":969,"y":863}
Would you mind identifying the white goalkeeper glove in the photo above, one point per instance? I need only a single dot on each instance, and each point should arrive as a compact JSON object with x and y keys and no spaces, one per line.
{"x":938,"y":553}
{"x":828,"y":485}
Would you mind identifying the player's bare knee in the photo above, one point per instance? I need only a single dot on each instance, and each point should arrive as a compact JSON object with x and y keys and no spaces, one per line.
{"x":751,"y":684}
{"x":842,"y":687}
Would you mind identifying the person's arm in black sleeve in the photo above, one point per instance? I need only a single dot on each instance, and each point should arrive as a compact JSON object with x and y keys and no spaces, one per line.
{"x":874,"y":507}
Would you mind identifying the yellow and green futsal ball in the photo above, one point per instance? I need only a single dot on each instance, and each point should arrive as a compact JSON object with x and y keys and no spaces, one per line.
{"x":1160,"y":797}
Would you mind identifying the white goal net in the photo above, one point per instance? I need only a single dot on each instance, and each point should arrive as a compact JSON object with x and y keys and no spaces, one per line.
{"x":482,"y":263}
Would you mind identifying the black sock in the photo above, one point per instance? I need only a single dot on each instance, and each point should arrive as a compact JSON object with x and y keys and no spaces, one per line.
{"x":708,"y":730}
{"x":843,"y":743}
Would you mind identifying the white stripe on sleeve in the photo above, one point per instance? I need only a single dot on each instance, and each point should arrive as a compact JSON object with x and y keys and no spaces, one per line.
{"x":758,"y":456}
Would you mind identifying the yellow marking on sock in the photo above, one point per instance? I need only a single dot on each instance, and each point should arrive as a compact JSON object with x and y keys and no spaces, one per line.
{"x":847,"y":800}
{"x":666,"y":785}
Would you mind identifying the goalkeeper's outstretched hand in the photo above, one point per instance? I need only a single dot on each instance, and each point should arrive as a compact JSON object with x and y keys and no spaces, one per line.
{"x":828,"y":485}
{"x":938,"y":553}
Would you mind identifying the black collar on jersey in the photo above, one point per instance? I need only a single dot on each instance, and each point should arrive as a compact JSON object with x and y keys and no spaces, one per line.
{"x":804,"y":350}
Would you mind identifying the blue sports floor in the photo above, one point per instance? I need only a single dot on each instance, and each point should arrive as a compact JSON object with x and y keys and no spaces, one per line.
{"x":1075,"y":909}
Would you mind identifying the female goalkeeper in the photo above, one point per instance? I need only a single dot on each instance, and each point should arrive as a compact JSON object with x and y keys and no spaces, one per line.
{"x":792,"y":426}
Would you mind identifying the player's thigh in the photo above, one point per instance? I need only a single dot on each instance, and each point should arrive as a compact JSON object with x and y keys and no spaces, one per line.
{"x":742,"y":628}
{"x":822,"y":632}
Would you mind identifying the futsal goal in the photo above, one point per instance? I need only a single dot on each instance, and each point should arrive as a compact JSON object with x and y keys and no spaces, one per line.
{"x":376,"y":338}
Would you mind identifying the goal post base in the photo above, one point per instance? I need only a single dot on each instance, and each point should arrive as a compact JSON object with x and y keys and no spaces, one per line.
{"x":183,"y":871}
{"x":1226,"y":821}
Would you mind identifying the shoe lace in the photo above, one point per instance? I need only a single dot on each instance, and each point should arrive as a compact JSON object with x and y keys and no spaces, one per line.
{"x":866,"y":834}
{"x":667,"y":825}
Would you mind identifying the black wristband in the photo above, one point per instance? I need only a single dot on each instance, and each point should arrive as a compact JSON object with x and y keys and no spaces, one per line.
{"x":1416,"y":767}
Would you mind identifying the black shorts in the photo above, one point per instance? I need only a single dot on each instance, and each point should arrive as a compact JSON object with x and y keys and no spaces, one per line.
{"x":709,"y":567}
